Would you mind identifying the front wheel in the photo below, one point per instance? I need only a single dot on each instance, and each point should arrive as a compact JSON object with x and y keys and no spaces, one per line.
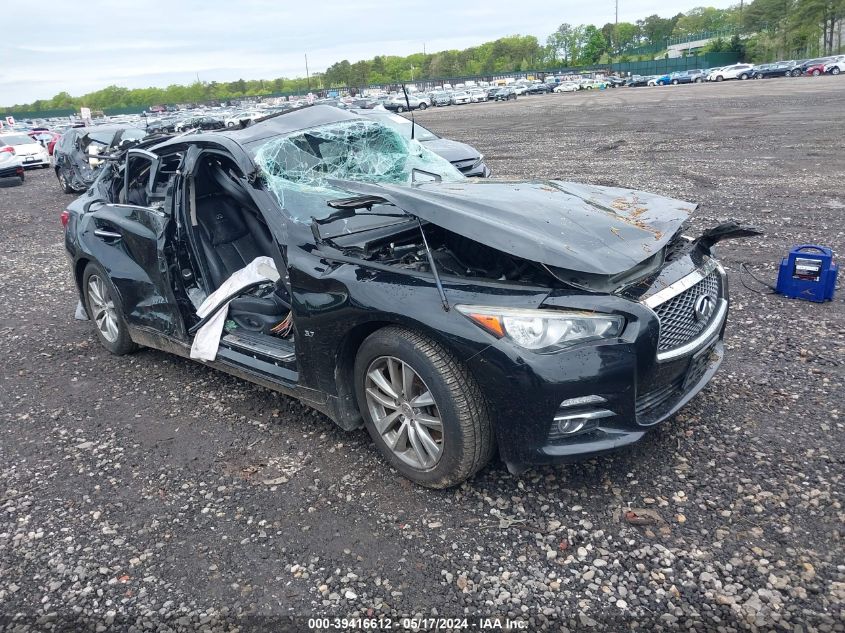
{"x":743,"y":76}
{"x":699,"y":80}
{"x":675,"y":82}
{"x":105,"y":312}
{"x":720,"y":78}
{"x":400,"y":109}
{"x":816,"y":72}
{"x":796,"y":72}
{"x":835,"y":70}
{"x":422,"y":407}
{"x":423,"y":106}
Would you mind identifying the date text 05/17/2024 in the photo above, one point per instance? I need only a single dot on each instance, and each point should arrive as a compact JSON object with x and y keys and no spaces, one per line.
{"x":417,"y":624}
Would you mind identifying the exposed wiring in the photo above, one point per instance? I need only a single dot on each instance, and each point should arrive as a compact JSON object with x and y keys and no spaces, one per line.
{"x":284,"y":327}
{"x":743,"y":268}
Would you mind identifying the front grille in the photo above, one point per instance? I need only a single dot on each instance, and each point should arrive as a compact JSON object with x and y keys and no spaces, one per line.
{"x":678,"y":324}
{"x":465,"y":165}
{"x":652,"y":405}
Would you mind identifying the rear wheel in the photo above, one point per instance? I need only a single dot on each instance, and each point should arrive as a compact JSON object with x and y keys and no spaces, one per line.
{"x":835,"y":70}
{"x":796,"y":72}
{"x":698,"y":80}
{"x":816,"y":72}
{"x":744,"y":76}
{"x":63,"y":182}
{"x":400,"y":109}
{"x":105,"y":312}
{"x":423,"y":106}
{"x":720,"y":78}
{"x":423,"y":409}
{"x":675,"y":82}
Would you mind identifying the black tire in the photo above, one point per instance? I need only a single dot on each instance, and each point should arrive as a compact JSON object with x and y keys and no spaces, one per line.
{"x":743,"y":76}
{"x":467,"y":433}
{"x":675,"y":82}
{"x":699,"y":80}
{"x":63,"y":183}
{"x":816,"y":72}
{"x":400,"y":109}
{"x":123,"y":342}
{"x":720,"y":78}
{"x":423,"y":106}
{"x":835,"y":70}
{"x":796,"y":72}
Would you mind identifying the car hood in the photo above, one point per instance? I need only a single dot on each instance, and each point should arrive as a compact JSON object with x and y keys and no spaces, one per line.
{"x":577,"y":227}
{"x":451,"y":150}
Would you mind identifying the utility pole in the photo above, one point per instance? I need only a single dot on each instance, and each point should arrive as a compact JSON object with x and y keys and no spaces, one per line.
{"x":307,"y":74}
{"x":616,"y":29}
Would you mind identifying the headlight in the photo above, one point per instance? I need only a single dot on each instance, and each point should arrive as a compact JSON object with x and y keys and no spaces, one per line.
{"x":544,"y":330}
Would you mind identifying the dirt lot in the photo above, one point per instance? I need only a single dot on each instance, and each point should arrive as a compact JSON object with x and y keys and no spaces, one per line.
{"x":150,"y":493}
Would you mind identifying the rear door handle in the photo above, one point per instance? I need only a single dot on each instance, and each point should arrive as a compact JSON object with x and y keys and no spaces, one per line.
{"x":107,"y":235}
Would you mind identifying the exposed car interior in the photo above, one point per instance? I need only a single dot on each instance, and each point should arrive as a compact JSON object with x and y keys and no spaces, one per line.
{"x":228,"y":232}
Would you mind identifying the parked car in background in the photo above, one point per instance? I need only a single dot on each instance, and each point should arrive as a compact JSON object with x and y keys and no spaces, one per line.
{"x":660,"y":80}
{"x":477,"y":95}
{"x":567,"y":86}
{"x":796,"y":67}
{"x":614,"y":82}
{"x":502,"y":94}
{"x":76,"y":156}
{"x":461,"y":97}
{"x":637,"y":81}
{"x":11,"y":167}
{"x":539,"y":89}
{"x":687,"y":77}
{"x":202,"y":122}
{"x":30,"y":152}
{"x":776,"y":69}
{"x":46,"y":138}
{"x":440,"y":99}
{"x":468,"y":160}
{"x":241,"y":118}
{"x":835,"y":67}
{"x":802,"y":68}
{"x":398,"y":103}
{"x":737,"y":71}
{"x":816,"y":69}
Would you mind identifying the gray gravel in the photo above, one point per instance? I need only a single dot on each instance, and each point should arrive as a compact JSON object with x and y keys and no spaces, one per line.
{"x":149,"y":493}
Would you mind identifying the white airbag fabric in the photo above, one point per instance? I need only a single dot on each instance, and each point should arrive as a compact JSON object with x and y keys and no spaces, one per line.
{"x":207,"y":340}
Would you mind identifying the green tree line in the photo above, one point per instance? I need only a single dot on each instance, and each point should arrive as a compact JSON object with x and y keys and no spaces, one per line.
{"x":770,"y":29}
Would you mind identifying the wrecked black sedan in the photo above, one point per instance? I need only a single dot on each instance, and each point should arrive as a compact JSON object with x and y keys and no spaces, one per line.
{"x":329,"y":257}
{"x":78,"y":154}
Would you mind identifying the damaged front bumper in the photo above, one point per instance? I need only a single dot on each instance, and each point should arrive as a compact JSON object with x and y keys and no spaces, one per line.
{"x":566,"y":406}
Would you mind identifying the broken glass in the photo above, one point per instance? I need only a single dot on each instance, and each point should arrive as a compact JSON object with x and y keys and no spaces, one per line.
{"x":299,"y":169}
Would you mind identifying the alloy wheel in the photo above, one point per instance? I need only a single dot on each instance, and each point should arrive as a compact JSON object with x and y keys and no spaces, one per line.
{"x":103,"y":309}
{"x":404,"y":412}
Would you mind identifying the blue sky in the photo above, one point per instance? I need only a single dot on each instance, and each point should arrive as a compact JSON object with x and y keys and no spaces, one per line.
{"x":84,"y":46}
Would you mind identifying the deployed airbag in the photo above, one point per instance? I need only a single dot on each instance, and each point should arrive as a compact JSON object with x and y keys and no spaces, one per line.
{"x":207,"y":340}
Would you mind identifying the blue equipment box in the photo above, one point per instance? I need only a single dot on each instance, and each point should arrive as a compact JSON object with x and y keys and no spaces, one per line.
{"x":808,"y":272}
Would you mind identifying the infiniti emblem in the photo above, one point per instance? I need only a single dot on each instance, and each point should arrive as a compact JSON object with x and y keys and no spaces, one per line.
{"x":703,"y":308}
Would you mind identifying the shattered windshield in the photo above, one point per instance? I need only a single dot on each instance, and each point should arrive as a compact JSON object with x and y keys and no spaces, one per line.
{"x":297,"y":168}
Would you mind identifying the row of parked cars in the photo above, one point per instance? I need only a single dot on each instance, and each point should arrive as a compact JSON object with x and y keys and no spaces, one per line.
{"x":833,"y":65}
{"x":78,"y":154}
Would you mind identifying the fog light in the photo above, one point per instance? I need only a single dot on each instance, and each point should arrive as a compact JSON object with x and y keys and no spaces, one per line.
{"x":578,"y":415}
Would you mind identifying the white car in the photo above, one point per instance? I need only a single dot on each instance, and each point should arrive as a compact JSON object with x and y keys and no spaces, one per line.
{"x":30,"y":151}
{"x":235,"y":119}
{"x":477,"y":95}
{"x":737,"y":71}
{"x":566,"y":86}
{"x":835,"y":67}
{"x":461,"y":97}
{"x":11,"y":167}
{"x":519,"y":89}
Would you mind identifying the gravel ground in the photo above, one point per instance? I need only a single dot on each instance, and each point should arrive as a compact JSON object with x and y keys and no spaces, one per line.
{"x":150,"y":493}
